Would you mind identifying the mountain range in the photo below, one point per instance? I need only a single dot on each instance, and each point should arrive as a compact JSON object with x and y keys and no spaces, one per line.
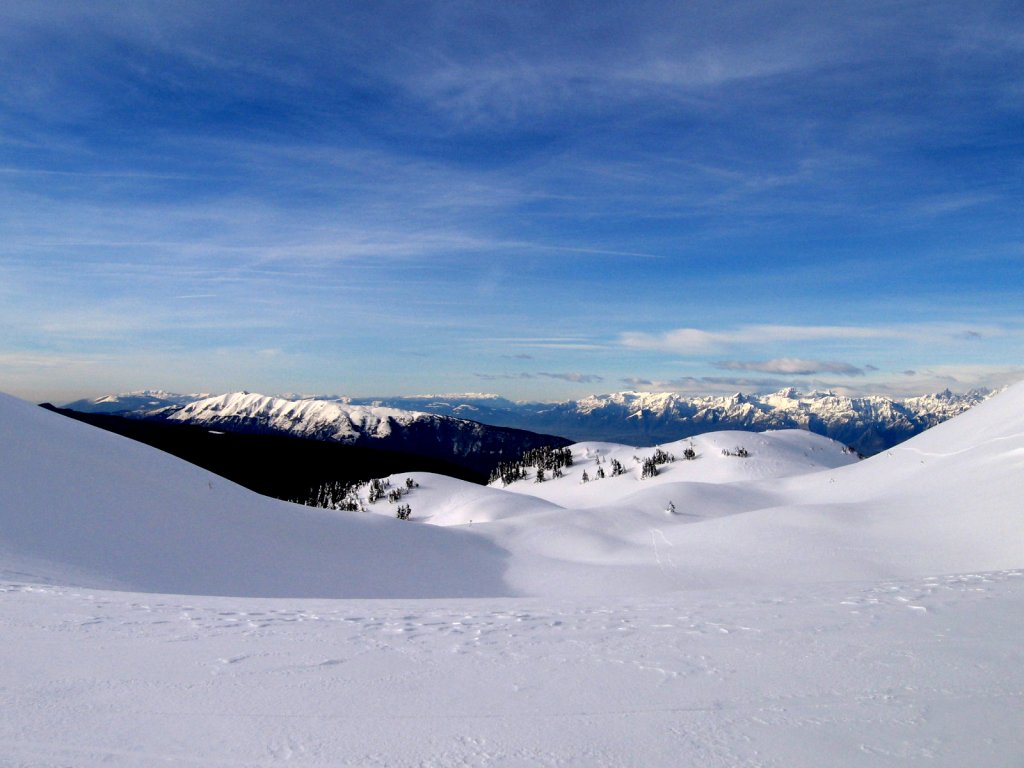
{"x":277,"y":465}
{"x":470,"y":444}
{"x":868,"y":424}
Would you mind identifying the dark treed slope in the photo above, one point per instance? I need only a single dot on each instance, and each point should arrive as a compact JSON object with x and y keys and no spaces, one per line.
{"x":470,"y":444}
{"x":275,"y":465}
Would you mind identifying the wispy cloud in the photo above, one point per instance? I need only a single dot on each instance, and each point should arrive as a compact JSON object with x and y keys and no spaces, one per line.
{"x":503,"y":376}
{"x":460,"y":182}
{"x":791,"y":365}
{"x":691,"y":340}
{"x":15,"y":361}
{"x":577,"y":378}
{"x":896,"y":384}
{"x":544,"y":342}
{"x":697,"y":340}
{"x":707,"y":384}
{"x":942,"y":205}
{"x":958,"y":378}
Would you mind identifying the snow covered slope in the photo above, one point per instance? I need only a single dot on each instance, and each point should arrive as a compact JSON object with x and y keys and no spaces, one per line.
{"x":864,"y":614}
{"x":944,"y":502}
{"x":887,"y":674}
{"x":797,"y":509}
{"x":82,"y":506}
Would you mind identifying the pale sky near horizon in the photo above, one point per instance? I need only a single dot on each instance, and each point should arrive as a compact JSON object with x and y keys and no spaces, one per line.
{"x":541,"y":200}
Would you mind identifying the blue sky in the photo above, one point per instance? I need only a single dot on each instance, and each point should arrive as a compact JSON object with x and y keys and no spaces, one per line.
{"x":537,"y":199}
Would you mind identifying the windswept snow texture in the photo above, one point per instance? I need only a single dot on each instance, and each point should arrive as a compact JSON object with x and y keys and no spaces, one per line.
{"x":924,"y":671}
{"x":798,"y":608}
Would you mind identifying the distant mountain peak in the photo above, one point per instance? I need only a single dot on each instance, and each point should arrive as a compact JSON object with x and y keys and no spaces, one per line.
{"x":870,"y":423}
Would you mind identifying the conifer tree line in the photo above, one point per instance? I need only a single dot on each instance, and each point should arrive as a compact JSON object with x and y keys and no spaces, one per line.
{"x":649,"y":466}
{"x":543,"y":460}
{"x":740,"y":451}
{"x":544,"y":463}
{"x":347,"y":496}
{"x":335,"y":494}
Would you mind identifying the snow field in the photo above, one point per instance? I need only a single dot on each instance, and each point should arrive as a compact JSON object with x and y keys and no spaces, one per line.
{"x":864,"y":614}
{"x":925,"y":671}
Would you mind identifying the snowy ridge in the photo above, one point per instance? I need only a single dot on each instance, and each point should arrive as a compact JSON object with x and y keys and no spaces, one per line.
{"x":141,"y":402}
{"x":469,"y":443}
{"x":870,"y":424}
{"x":321,"y":419}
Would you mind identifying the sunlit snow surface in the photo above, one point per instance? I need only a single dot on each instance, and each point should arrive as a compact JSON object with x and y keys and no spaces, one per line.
{"x":868,"y":614}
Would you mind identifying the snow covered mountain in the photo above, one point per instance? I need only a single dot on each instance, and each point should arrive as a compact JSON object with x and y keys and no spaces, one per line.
{"x":141,"y":402}
{"x":320,"y":419}
{"x":869,"y":424}
{"x":472,"y":444}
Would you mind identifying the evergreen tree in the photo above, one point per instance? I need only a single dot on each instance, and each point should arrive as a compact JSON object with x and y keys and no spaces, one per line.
{"x":662,"y":457}
{"x":650,"y":468}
